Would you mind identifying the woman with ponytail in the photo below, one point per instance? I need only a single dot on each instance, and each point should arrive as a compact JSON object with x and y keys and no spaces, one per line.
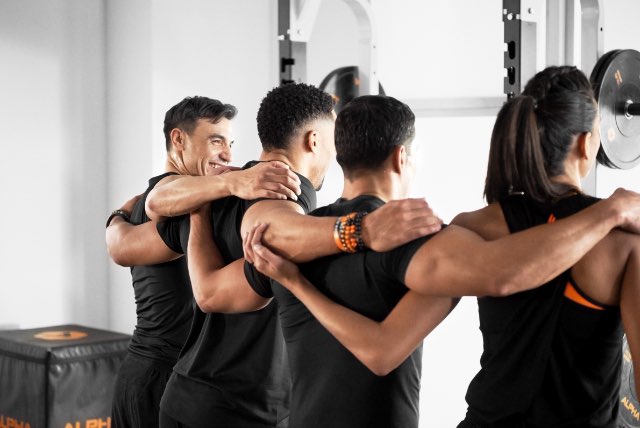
{"x":552,"y":355}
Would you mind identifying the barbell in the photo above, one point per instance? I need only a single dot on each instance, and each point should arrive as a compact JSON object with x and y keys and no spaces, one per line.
{"x":616,"y":83}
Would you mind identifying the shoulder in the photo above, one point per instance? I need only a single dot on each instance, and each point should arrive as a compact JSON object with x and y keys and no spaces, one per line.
{"x":488,"y":222}
{"x":307,"y":198}
{"x":164,"y":178}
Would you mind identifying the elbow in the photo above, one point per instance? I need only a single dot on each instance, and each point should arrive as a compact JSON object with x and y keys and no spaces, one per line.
{"x":151,"y":206}
{"x":204,"y":306}
{"x":202,"y":301}
{"x":503,"y":286}
{"x":381,"y":370}
{"x":380,"y":363}
{"x":287,"y":244}
{"x":205,"y":301}
{"x":118,"y":257}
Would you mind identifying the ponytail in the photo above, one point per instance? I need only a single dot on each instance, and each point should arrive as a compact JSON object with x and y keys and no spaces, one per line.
{"x":534,"y":132}
{"x":516,"y":160}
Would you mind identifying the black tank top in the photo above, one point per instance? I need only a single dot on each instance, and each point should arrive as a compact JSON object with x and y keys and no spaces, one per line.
{"x":552,"y":355}
{"x":163,"y":300}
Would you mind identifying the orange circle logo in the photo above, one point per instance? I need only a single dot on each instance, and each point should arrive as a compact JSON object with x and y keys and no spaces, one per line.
{"x":60,"y":335}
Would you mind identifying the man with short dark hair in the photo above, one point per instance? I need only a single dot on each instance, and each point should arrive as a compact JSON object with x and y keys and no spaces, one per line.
{"x":198,"y":138}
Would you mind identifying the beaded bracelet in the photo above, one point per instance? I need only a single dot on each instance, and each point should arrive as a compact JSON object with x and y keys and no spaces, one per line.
{"x":347,"y":232}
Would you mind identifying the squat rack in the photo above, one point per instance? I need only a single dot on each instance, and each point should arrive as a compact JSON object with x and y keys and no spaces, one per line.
{"x":522,"y":22}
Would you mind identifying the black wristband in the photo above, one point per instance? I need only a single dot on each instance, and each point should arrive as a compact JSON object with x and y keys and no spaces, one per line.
{"x":118,"y":213}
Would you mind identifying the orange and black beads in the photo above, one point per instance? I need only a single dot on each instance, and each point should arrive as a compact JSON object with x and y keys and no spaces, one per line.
{"x":347,"y":232}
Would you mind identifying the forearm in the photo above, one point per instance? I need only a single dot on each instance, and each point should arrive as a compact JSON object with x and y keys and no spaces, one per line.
{"x":458,"y":262}
{"x":381,"y":346}
{"x":292,"y":234}
{"x":185,"y":194}
{"x":539,"y":254}
{"x":301,"y":238}
{"x":355,"y":332}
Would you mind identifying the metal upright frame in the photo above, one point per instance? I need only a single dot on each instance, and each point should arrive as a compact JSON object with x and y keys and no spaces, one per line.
{"x":521,"y":39}
{"x":295,"y":24}
{"x":522,"y":20}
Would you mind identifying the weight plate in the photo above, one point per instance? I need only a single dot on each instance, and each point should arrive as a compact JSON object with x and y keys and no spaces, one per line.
{"x":629,"y":415}
{"x":616,"y":83}
{"x":343,"y":84}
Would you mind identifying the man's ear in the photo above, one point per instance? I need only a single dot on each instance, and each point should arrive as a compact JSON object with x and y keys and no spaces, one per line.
{"x":399,"y":158}
{"x":177,"y":139}
{"x":311,"y":141}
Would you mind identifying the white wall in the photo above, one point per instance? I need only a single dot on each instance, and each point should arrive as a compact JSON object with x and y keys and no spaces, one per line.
{"x":52,"y":267}
{"x":85,"y":84}
{"x":129,"y":129}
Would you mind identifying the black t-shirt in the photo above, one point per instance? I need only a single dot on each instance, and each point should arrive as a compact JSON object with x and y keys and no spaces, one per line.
{"x":547,"y":361}
{"x":232,"y":370}
{"x":331,"y":388}
{"x":163,"y":300}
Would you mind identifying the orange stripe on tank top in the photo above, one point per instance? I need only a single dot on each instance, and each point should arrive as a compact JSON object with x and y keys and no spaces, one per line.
{"x":570,"y":291}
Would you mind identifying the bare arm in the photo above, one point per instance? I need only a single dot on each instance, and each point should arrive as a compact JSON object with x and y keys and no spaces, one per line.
{"x":629,"y":301}
{"x":216,"y":287}
{"x":388,"y":227}
{"x":381,"y":346}
{"x":178,"y":194}
{"x":130,"y":245}
{"x":459,"y":262}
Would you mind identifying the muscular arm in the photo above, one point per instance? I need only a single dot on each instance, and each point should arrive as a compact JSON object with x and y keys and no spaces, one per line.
{"x":459,"y":262}
{"x":380,"y":346}
{"x":302,"y":238}
{"x":216,"y":287}
{"x":178,"y":194}
{"x":629,"y":301}
{"x":383,"y":346}
{"x":131,"y":245}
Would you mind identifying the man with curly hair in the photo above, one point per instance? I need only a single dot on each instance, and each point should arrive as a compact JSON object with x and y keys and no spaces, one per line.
{"x":232,"y":370}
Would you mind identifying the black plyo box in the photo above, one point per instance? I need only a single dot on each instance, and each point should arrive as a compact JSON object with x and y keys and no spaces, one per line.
{"x":58,"y":377}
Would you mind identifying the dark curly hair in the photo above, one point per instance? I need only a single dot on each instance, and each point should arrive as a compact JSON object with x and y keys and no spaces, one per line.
{"x":369,"y":128}
{"x":186,"y":113}
{"x":286,"y":108}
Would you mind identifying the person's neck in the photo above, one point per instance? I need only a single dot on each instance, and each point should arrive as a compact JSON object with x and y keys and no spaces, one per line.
{"x":170,"y":165}
{"x":287,"y":158}
{"x":380,"y":185}
{"x":570,"y":177}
